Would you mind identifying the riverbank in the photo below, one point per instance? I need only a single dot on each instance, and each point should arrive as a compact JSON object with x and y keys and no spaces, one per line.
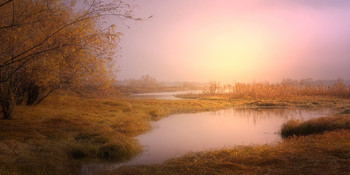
{"x":57,"y":135}
{"x":328,"y":153}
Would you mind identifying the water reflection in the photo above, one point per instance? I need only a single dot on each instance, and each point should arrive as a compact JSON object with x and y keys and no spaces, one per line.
{"x":182,"y":133}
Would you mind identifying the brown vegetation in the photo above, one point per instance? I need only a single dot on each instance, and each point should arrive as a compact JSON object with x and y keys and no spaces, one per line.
{"x":64,"y":130}
{"x":315,"y":126}
{"x":285,"y":89}
{"x":55,"y":136}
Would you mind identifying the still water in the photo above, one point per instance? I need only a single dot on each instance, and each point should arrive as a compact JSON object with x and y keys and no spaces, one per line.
{"x":179,"y":134}
{"x":182,"y":133}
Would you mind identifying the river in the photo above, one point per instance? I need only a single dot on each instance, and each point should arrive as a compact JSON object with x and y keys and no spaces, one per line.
{"x":179,"y":134}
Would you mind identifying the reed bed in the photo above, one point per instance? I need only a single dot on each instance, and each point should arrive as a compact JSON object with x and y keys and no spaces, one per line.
{"x":285,"y":89}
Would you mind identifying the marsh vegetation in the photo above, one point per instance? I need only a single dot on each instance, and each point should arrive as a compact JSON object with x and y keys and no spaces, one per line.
{"x":66,"y":131}
{"x":57,"y":135}
{"x":285,"y":89}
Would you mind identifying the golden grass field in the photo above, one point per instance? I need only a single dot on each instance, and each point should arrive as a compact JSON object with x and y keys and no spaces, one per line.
{"x":56,"y":136}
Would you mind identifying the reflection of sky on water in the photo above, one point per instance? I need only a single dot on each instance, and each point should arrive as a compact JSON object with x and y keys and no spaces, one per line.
{"x":182,"y":133}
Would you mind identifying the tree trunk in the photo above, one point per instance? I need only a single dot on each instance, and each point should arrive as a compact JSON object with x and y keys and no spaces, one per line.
{"x":32,"y":95}
{"x":42,"y":98}
{"x":7,"y":103}
{"x":7,"y":110}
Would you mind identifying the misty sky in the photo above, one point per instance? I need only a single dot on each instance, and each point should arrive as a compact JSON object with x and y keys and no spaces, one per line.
{"x":236,"y":40}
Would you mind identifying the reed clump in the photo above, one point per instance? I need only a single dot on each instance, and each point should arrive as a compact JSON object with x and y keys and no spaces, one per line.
{"x":315,"y":126}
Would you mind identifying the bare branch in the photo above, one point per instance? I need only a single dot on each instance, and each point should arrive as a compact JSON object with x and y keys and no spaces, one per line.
{"x":8,"y":1}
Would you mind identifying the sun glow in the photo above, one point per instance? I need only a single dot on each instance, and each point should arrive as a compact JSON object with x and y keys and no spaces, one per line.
{"x":231,"y":53}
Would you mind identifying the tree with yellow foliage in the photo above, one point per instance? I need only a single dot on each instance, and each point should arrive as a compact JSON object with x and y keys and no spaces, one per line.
{"x":48,"y":45}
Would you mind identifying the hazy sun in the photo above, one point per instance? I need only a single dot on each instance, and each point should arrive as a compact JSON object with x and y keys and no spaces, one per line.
{"x":231,"y":53}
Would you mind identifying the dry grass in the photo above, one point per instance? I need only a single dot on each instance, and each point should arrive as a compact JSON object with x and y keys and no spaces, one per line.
{"x":315,"y":126}
{"x":328,"y":153}
{"x":290,"y":102}
{"x":55,"y":136}
{"x":267,"y":90}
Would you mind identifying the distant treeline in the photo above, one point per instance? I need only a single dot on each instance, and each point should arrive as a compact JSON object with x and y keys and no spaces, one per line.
{"x":146,"y":84}
{"x":149,"y":81}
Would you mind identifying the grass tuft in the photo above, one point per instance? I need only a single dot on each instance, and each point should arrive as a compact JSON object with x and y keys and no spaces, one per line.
{"x":346,"y":111}
{"x":119,"y":151}
{"x":315,"y":126}
{"x":156,"y":112}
